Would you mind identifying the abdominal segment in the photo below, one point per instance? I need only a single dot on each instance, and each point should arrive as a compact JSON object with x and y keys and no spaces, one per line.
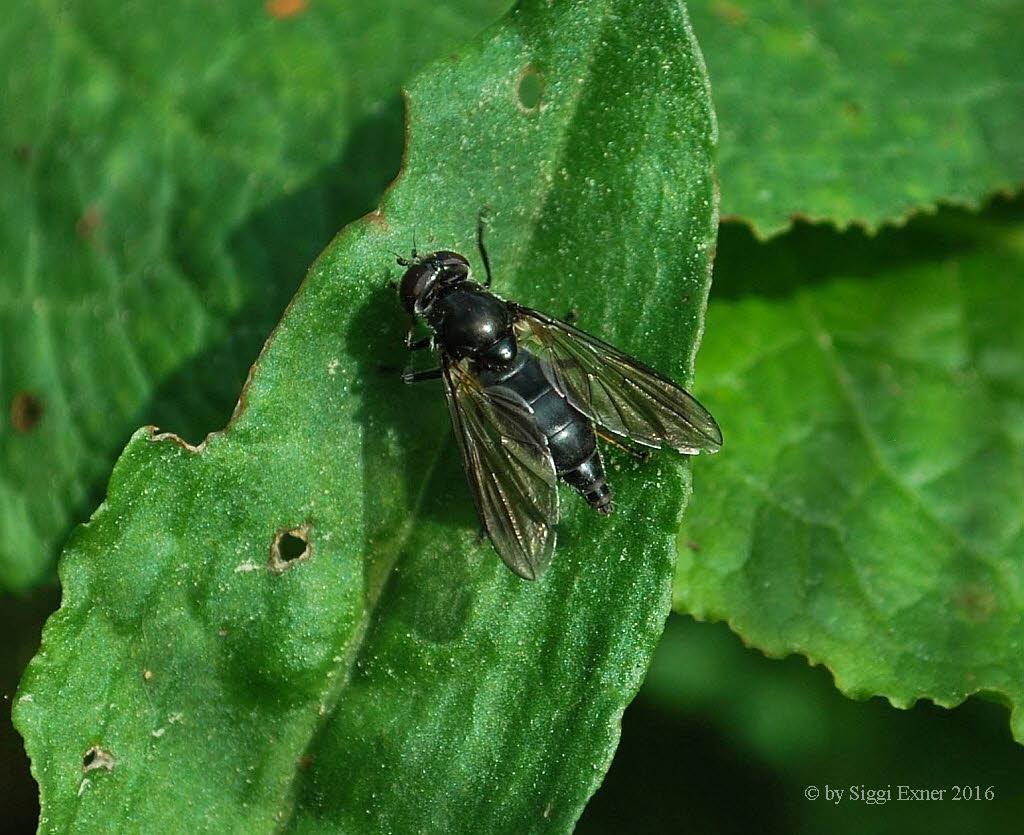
{"x":570,"y":433}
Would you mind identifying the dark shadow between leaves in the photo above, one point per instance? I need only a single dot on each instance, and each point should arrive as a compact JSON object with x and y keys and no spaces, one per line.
{"x":810,"y":254}
{"x":21,"y":619}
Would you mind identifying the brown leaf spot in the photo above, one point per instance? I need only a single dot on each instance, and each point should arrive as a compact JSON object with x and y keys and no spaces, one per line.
{"x":692,"y":545}
{"x":729,"y":12}
{"x":854,"y":113}
{"x":88,"y":223}
{"x":976,"y":602}
{"x":290,"y":546}
{"x":26,"y":412}
{"x":23,"y":153}
{"x":283,"y":9}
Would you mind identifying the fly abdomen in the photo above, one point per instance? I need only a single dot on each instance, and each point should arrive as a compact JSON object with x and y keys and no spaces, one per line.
{"x":573,"y":447}
{"x":589,"y":479}
{"x":570,"y":433}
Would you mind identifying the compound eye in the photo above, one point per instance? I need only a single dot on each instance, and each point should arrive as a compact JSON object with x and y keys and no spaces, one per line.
{"x":454,"y":267}
{"x":416,"y":283}
{"x":447,"y":258}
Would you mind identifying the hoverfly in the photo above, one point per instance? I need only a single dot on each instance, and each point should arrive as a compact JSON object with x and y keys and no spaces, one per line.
{"x":525,"y":391}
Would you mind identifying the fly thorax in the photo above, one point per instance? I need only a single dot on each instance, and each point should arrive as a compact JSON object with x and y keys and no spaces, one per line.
{"x":470,"y":322}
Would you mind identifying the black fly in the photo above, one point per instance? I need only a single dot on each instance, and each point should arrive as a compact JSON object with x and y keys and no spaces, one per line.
{"x":525,"y":391}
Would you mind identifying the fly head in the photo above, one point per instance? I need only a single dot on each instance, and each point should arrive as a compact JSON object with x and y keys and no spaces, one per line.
{"x":427,"y":275}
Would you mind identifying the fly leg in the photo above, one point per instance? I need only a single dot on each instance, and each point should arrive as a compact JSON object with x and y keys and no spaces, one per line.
{"x":642,"y":454}
{"x":410,"y":376}
{"x":420,"y":376}
{"x":412,"y":345}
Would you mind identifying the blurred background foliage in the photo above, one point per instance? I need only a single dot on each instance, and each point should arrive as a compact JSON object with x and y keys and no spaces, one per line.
{"x":864,"y":116}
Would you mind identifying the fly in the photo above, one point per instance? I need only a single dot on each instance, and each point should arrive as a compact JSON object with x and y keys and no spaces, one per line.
{"x":526,"y":393}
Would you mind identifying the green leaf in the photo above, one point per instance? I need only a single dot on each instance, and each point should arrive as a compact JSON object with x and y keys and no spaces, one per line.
{"x":862,"y":112}
{"x":399,"y":678}
{"x":168,"y":172}
{"x":866,"y":510}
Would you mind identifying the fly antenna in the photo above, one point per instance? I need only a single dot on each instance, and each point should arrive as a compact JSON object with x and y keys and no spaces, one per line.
{"x":481,"y":222}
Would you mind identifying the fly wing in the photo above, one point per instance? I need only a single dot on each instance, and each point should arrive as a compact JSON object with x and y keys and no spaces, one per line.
{"x":615,"y":390}
{"x":509,"y":466}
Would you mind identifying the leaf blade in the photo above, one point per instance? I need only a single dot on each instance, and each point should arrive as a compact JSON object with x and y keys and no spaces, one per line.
{"x":863,"y":114}
{"x":865,"y":514}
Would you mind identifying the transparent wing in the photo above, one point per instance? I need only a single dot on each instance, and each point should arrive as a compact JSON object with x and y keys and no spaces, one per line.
{"x":510,"y":470}
{"x":615,"y":390}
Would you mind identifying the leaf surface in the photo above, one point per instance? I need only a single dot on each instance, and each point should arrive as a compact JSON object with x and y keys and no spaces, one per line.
{"x":399,"y":678}
{"x":866,"y":511}
{"x":863,"y":113}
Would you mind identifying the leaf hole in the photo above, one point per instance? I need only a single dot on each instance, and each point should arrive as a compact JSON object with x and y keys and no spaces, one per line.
{"x":291,"y":545}
{"x":26,"y":412}
{"x":530,"y":89}
{"x":97,"y":757}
